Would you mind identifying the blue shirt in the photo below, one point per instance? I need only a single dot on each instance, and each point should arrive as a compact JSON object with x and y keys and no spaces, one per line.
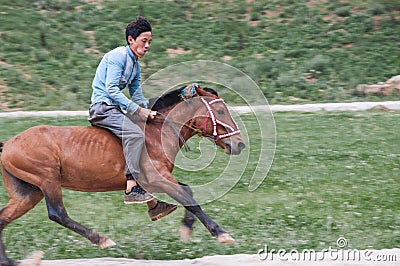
{"x":117,"y":70}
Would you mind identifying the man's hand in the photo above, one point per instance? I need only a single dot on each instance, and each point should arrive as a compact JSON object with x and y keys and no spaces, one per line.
{"x":145,"y":114}
{"x":153,"y":114}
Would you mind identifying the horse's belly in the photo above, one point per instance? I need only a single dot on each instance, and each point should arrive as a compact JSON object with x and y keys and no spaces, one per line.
{"x":85,"y":176}
{"x":92,"y":160}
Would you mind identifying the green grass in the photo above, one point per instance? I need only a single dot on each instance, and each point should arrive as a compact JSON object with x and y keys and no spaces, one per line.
{"x":48,"y":48}
{"x":334,"y":174}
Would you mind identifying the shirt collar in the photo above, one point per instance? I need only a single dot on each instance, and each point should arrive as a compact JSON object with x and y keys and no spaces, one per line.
{"x":131,"y":55}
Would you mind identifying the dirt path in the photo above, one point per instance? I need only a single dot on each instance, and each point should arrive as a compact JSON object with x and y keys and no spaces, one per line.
{"x":387,"y":257}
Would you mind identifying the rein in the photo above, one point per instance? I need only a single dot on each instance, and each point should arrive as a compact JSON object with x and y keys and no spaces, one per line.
{"x":172,"y":124}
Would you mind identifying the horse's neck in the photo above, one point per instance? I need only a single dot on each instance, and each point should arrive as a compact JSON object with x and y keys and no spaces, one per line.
{"x":177,"y":116}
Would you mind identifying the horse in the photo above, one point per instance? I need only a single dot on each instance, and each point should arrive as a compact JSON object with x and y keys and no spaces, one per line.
{"x":38,"y":162}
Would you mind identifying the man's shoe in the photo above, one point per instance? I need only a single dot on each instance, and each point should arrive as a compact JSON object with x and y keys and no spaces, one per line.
{"x":137,"y":195}
{"x":161,"y":209}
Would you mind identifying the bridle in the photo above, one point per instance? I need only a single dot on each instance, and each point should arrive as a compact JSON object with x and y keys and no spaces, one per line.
{"x":202,"y":130}
{"x":215,"y":122}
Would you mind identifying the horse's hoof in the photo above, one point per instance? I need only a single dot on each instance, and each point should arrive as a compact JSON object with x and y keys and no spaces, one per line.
{"x":106,"y":243}
{"x":186,"y":232}
{"x":8,"y":262}
{"x":225,"y":238}
{"x":34,"y":260}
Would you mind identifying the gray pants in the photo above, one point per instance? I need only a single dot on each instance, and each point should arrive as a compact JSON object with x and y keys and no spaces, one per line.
{"x":131,"y":135}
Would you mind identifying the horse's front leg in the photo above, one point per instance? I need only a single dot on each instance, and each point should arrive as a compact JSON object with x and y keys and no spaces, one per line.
{"x":222,"y":236}
{"x":189,"y":218}
{"x":167,"y":184}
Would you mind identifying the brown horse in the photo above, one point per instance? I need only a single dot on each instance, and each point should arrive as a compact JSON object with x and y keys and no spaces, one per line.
{"x":42,"y":160}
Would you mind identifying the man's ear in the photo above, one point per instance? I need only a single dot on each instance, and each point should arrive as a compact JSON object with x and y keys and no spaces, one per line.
{"x":130,"y":39}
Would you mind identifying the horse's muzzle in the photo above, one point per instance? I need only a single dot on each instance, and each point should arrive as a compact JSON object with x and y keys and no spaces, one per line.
{"x":233,"y":147}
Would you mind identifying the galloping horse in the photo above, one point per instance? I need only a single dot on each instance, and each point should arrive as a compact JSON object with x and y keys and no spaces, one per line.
{"x":42,"y":160}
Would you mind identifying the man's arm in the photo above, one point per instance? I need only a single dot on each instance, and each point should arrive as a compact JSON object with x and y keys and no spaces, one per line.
{"x":136,"y":91}
{"x":115,"y":68}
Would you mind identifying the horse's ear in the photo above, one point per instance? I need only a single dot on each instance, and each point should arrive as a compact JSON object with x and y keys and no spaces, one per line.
{"x":206,"y":92}
{"x":210,"y":90}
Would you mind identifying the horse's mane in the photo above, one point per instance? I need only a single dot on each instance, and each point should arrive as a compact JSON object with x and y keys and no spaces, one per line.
{"x":172,"y":98}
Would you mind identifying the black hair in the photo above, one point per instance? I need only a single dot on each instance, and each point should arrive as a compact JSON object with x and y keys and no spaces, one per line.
{"x":137,"y":27}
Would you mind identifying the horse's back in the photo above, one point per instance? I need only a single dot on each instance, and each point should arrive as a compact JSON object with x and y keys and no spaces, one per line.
{"x":78,"y":156}
{"x":61,"y":138}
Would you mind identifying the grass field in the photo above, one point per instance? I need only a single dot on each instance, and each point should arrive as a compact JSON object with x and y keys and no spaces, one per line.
{"x":316,"y":51}
{"x":334,"y":175}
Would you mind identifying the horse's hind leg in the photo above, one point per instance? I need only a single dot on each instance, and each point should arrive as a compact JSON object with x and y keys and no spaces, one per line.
{"x":188,"y":219}
{"x":23,"y":197}
{"x":57,"y":213}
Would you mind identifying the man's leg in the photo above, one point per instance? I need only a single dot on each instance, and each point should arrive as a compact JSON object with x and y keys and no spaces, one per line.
{"x":112,"y":118}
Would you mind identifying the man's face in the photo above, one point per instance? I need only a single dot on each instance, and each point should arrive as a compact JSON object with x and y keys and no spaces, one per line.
{"x":141,"y":45}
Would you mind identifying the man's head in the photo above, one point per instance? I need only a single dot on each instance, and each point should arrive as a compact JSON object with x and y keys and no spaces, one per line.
{"x":138,"y":36}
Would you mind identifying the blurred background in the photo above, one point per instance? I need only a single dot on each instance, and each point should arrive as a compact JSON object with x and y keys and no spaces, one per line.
{"x":296,"y":51}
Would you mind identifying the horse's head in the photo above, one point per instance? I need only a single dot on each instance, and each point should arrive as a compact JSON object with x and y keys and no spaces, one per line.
{"x":204,"y":113}
{"x":215,"y":121}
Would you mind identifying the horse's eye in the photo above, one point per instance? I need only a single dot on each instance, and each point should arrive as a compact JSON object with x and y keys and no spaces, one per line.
{"x":220,"y":112}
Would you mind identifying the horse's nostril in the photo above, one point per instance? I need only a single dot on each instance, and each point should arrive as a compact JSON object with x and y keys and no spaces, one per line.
{"x":227,"y":144}
{"x":241,"y":145}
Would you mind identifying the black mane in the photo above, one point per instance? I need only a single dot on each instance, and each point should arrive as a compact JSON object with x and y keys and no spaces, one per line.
{"x":171,"y":98}
{"x":166,"y":100}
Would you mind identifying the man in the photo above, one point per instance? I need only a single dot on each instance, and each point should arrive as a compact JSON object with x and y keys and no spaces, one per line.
{"x":112,"y":110}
